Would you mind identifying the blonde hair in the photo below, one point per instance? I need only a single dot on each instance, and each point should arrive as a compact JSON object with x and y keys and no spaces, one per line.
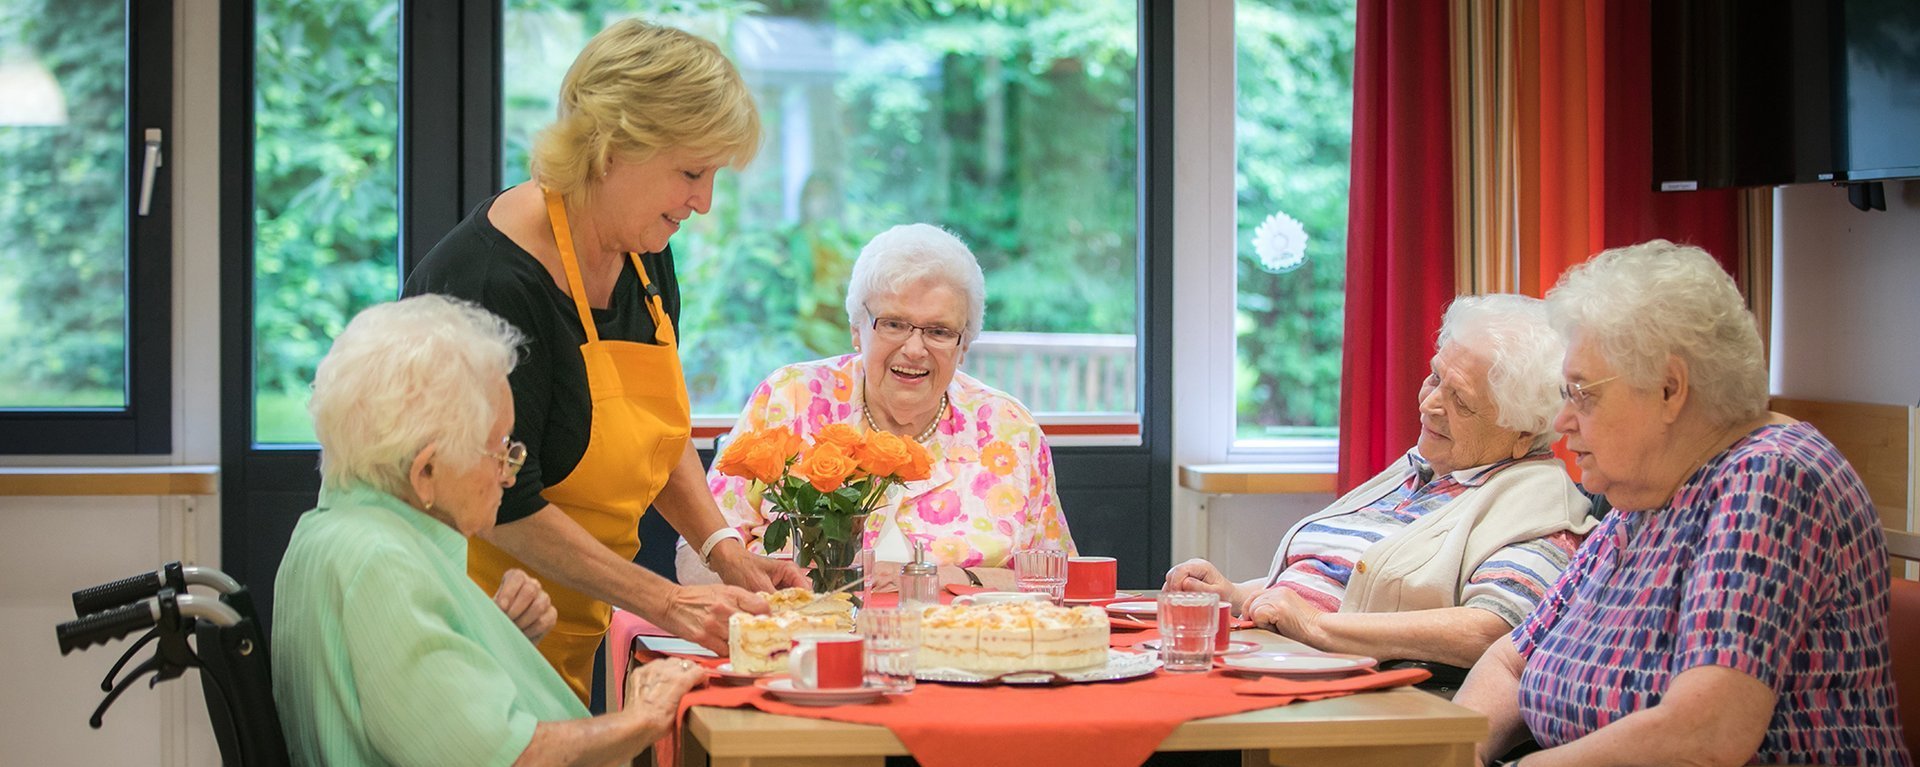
{"x":1640,"y":303}
{"x":404,"y":375}
{"x":637,"y":89}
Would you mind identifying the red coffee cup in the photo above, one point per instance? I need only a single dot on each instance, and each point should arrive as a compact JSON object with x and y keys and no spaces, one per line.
{"x":1090,"y":577}
{"x":1223,"y":634}
{"x":828,"y":661}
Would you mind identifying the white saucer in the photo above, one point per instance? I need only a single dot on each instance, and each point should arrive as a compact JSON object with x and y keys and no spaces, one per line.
{"x":1298,"y":664}
{"x":1134,"y":609}
{"x":1235,"y":647}
{"x":725,"y":672}
{"x":783,"y":689}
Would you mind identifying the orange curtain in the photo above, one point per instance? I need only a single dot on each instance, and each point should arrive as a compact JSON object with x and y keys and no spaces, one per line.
{"x":1584,"y":96}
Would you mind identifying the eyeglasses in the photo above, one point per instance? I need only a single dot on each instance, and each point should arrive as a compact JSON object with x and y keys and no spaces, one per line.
{"x":937,"y":336}
{"x":512,"y":456}
{"x":1580,"y":395}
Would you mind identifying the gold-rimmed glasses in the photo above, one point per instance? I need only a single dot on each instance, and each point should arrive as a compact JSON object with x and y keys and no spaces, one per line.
{"x":1580,"y":395}
{"x":896,"y":329}
{"x":512,"y":455}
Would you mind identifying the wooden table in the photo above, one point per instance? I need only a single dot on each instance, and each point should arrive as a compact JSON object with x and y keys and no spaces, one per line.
{"x":1394,"y":727}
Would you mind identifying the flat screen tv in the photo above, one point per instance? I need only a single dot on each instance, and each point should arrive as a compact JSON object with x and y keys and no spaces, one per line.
{"x":1766,"y":92}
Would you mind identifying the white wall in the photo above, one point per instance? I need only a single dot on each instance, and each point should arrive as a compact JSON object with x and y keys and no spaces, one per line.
{"x":51,"y":546}
{"x":1847,"y":296}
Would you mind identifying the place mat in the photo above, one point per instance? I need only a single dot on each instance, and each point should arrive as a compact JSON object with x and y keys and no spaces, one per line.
{"x":1099,"y":724}
{"x":1316,"y":689}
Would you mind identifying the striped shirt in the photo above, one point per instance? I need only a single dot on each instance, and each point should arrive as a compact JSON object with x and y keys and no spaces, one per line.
{"x":1321,"y":556}
{"x":1769,"y":561}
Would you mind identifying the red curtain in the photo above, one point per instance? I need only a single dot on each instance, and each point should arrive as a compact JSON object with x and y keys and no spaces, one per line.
{"x":1399,"y":229}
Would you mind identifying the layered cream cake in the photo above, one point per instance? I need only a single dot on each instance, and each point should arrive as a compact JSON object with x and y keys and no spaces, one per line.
{"x":1012,"y":636}
{"x":758,"y":644}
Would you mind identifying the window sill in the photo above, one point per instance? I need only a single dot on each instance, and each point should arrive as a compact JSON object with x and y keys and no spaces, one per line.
{"x":108,"y":480}
{"x":1256,"y":478}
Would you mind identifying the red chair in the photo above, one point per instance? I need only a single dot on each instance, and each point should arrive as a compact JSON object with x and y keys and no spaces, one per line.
{"x":1903,"y":633}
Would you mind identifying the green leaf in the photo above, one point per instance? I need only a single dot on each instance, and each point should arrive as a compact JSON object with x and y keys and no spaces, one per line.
{"x":776,"y":536}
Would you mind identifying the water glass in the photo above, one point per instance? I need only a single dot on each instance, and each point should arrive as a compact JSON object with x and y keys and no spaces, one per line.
{"x":1041,"y":571}
{"x":1187,"y":626}
{"x":893,"y":638}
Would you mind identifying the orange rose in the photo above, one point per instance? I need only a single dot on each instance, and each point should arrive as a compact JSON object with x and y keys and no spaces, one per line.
{"x":840,"y":435}
{"x":826,"y":466}
{"x":884,"y":454}
{"x":919,"y":465}
{"x":759,"y":455}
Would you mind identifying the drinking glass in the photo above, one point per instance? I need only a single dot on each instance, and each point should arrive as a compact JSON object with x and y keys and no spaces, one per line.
{"x":1187,"y":627}
{"x":1041,"y":571}
{"x":893,"y":637}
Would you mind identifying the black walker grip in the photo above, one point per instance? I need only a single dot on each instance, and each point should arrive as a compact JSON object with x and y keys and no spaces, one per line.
{"x":103,"y":627}
{"x":110,"y":595}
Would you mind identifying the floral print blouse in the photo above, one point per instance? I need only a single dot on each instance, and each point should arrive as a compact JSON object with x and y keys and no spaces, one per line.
{"x":991,"y":491}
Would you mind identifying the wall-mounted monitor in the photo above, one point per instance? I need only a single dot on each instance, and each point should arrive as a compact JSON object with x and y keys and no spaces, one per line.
{"x":1766,"y":92}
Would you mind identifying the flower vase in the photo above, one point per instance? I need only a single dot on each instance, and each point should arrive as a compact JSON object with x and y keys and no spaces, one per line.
{"x":831,"y":562}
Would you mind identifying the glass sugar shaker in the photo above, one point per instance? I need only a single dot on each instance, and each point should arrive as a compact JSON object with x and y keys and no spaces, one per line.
{"x":919,"y":581}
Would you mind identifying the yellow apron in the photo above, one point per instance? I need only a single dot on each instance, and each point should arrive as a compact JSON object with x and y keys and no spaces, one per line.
{"x":639,"y":431}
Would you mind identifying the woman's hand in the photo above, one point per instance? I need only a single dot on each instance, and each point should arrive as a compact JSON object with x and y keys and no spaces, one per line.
{"x":1286,"y":613}
{"x":699,"y":614}
{"x":654,"y":691}
{"x":524,"y":601}
{"x":1199,"y":575}
{"x":738,"y":567}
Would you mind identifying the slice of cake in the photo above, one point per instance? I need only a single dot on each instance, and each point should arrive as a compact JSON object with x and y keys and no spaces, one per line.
{"x":1013,"y":636}
{"x":839,"y":606}
{"x":758,"y":644}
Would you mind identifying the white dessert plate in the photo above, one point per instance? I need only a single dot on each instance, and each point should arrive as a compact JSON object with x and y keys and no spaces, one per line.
{"x":1235,"y":647}
{"x":1134,"y":609}
{"x":725,"y":671}
{"x":783,"y":689}
{"x":1116,"y":595}
{"x":1120,"y":665}
{"x":1297,"y":664}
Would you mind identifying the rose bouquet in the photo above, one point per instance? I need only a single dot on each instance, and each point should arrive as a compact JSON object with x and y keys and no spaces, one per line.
{"x":822,"y":493}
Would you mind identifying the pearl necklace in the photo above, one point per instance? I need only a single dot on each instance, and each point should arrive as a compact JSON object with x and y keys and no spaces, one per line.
{"x":867,"y":410}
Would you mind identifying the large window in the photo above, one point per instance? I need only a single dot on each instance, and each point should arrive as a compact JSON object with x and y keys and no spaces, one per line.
{"x":85,"y":315}
{"x":1011,"y":123}
{"x":1293,"y":131}
{"x":326,"y":203}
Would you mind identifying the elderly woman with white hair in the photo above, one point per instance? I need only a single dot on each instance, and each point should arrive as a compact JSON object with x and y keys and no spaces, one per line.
{"x":1733,"y":607}
{"x":384,"y":651}
{"x":916,"y":299}
{"x":1445,"y":551}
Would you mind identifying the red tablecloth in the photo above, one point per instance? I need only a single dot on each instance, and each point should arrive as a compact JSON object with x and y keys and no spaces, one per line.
{"x":1109,"y":723}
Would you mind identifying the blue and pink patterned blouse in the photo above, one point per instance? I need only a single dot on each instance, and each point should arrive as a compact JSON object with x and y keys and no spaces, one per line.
{"x":1769,"y":560}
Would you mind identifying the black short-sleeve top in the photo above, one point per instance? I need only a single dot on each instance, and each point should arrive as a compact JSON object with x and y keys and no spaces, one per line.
{"x":553,"y":412}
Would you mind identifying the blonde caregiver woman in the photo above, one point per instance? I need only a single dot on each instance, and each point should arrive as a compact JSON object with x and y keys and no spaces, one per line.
{"x":577,"y":259}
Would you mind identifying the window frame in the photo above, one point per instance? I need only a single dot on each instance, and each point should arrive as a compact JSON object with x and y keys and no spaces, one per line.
{"x":145,"y":425}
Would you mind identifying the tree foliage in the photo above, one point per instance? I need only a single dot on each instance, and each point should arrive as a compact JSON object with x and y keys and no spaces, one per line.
{"x":1294,"y":128}
{"x":1011,"y":122}
{"x":63,"y":214}
{"x":326,"y":186}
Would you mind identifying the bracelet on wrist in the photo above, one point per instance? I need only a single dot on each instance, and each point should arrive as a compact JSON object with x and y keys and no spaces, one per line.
{"x":713,"y":540}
